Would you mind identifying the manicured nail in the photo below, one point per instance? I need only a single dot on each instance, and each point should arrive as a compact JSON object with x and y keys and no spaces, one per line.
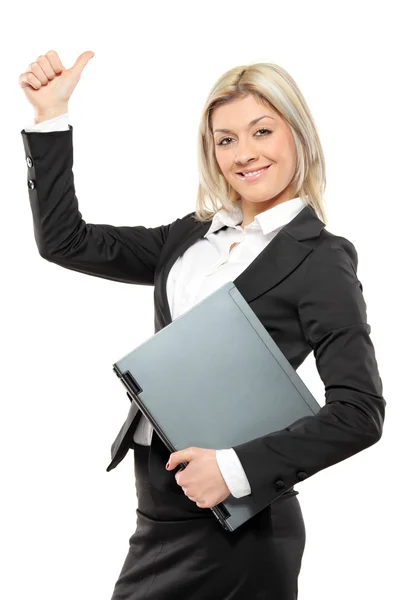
{"x":167,"y":465}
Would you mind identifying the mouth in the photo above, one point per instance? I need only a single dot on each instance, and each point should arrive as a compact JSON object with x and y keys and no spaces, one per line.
{"x":253,"y":176}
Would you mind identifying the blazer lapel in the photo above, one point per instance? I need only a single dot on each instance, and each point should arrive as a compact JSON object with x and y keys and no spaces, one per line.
{"x":278,"y":259}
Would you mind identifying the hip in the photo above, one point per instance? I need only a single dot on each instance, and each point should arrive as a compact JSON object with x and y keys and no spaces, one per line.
{"x":181,"y":551}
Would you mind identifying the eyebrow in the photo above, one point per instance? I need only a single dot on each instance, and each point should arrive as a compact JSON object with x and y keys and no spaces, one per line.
{"x":253,"y":122}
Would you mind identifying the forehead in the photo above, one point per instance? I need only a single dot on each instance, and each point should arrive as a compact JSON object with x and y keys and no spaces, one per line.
{"x":240,"y":112}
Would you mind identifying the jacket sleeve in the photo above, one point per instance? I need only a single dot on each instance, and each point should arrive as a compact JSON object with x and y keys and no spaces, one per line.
{"x":332,"y":313}
{"x":127,"y":254}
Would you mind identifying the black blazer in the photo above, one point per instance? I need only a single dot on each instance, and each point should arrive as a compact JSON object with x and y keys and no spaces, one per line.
{"x":303,"y":287}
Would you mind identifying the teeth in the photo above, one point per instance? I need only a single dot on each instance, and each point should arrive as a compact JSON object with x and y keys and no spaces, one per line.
{"x":253,"y":173}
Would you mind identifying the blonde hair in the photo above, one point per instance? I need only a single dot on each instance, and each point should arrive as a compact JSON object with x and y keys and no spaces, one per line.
{"x":275,"y":88}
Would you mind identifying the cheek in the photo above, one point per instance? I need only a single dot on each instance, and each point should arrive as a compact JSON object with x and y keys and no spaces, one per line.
{"x":224,"y":167}
{"x":223,"y":158}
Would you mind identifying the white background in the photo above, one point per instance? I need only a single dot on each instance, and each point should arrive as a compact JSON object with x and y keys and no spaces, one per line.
{"x":65,"y":521}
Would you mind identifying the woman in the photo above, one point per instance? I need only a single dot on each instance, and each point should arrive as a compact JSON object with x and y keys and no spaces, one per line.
{"x":303,"y":287}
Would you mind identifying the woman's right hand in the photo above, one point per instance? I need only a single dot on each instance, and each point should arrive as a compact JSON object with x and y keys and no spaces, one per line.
{"x":48,"y":85}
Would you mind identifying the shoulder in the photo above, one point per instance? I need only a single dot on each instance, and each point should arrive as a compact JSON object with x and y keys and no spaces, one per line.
{"x":330,"y":270}
{"x":189,"y":222}
{"x":334,"y":249}
{"x":329,"y":293}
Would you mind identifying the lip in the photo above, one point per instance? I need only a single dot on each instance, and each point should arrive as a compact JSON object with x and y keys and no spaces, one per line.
{"x":254,"y":169}
{"x":255,"y":177}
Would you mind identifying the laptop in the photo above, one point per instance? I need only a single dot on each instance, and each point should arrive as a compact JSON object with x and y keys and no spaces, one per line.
{"x":215,"y":378}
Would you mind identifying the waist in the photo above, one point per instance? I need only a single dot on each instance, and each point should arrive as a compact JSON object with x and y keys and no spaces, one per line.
{"x":163,"y":502}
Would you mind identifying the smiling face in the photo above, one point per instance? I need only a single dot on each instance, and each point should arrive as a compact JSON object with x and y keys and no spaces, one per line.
{"x":243,"y":145}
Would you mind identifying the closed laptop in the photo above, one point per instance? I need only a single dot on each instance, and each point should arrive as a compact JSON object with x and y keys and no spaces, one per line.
{"x":215,"y":378}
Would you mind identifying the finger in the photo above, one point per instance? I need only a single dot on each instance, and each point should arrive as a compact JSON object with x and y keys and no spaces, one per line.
{"x":82,"y":61}
{"x":177,"y":475}
{"x":180,"y":456}
{"x":37,"y":70}
{"x":186,"y":494}
{"x":46,"y":67}
{"x":55,"y":61}
{"x":29,"y":80}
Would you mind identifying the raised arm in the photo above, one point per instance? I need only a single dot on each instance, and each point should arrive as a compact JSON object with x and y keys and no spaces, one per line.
{"x":128,"y":253}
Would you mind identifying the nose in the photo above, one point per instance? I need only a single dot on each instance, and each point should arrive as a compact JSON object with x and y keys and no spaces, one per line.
{"x":244,"y":159}
{"x":245,"y":154}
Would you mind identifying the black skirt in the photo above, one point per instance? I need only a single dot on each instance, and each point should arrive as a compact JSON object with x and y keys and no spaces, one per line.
{"x":179,"y":551}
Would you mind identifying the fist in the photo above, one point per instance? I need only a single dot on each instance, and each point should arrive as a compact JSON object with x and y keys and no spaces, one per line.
{"x":47,"y":84}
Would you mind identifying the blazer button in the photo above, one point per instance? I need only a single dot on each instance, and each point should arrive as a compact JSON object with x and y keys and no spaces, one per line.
{"x":31,"y":184}
{"x":279,"y":484}
{"x":301,"y":475}
{"x":29,"y":161}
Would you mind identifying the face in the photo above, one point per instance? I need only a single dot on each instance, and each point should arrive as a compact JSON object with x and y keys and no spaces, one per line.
{"x":267,"y":142}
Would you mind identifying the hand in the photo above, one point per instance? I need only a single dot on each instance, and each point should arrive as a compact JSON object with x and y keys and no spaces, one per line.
{"x":48,"y":85}
{"x":201,"y":480}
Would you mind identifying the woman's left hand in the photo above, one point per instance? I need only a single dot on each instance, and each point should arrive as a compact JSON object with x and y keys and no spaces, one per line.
{"x":201,"y":480}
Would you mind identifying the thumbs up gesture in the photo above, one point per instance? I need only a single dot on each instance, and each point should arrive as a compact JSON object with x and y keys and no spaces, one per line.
{"x":48,"y":85}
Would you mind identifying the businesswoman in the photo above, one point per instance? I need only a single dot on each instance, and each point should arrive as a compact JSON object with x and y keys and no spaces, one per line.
{"x":259,"y":222}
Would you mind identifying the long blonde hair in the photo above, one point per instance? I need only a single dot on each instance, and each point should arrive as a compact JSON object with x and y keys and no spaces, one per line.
{"x":274,"y":87}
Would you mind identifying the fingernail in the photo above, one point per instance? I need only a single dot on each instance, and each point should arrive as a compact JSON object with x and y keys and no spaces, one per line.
{"x":167,"y":466}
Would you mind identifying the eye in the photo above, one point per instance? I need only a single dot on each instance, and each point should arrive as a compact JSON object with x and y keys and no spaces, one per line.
{"x":229,"y":138}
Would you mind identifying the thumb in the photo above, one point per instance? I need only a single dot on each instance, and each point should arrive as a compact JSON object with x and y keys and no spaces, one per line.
{"x":82,"y":61}
{"x":179,"y":457}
